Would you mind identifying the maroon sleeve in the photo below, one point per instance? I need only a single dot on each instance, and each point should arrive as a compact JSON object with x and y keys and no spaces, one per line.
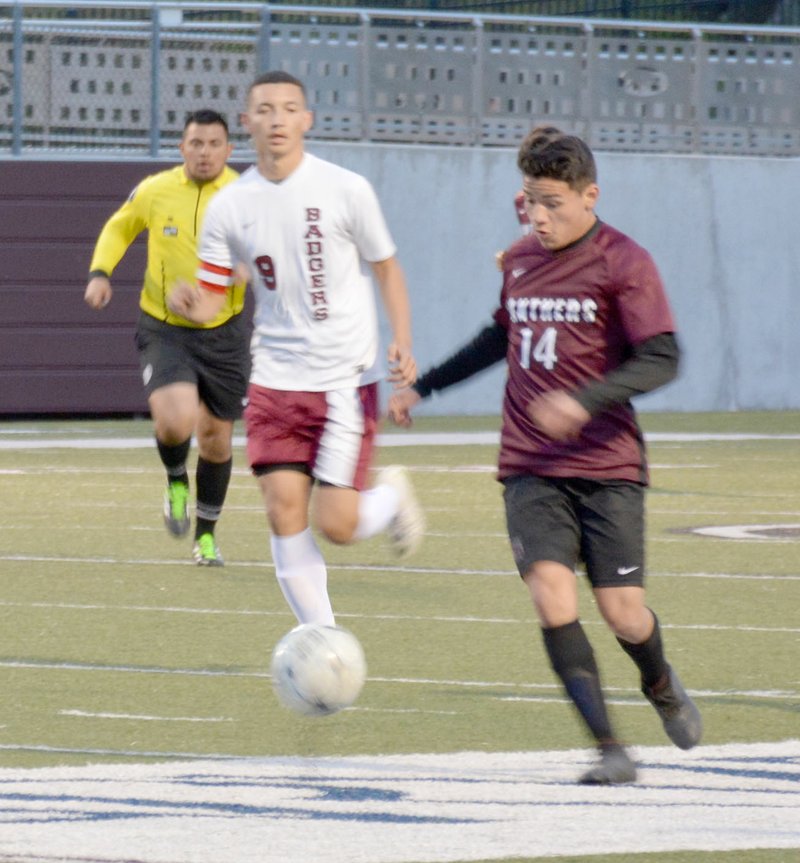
{"x":640,"y":298}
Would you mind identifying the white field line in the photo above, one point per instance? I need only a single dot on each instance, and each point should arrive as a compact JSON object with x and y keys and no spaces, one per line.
{"x":404,"y":570}
{"x":435,"y":618}
{"x":86,"y":714}
{"x":244,"y":473}
{"x":733,"y":532}
{"x":459,"y":535}
{"x":626,"y":696}
{"x":38,"y":440}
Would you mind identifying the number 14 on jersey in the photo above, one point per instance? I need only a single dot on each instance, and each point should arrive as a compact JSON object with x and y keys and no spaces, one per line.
{"x":544,"y":351}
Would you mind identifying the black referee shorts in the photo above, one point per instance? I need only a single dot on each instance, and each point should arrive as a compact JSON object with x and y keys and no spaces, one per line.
{"x":569,"y":520}
{"x":215,"y":360}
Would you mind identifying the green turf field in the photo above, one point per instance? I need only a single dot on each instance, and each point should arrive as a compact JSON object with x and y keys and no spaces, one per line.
{"x":114,"y":647}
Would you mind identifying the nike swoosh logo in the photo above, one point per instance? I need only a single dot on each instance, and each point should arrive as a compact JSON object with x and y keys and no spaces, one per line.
{"x":626,"y":570}
{"x":518,"y":272}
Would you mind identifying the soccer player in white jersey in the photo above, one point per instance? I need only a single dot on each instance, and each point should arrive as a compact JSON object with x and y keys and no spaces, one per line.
{"x":310,"y":233}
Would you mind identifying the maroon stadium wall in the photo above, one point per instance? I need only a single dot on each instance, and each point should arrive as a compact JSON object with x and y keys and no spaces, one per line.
{"x":58,"y":356}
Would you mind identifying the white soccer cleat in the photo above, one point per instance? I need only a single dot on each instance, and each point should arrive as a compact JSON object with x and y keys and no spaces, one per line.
{"x":407,"y":528}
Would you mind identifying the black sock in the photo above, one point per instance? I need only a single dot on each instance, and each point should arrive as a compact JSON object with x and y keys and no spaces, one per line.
{"x":573,"y":661}
{"x":649,"y":655}
{"x":174,"y":460}
{"x":212,"y":485}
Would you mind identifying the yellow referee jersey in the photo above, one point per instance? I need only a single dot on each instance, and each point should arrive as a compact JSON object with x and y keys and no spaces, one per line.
{"x":170,"y":207}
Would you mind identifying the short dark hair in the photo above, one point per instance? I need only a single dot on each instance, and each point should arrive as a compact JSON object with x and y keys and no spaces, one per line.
{"x":205,"y":117}
{"x":549,"y":152}
{"x":276,"y":76}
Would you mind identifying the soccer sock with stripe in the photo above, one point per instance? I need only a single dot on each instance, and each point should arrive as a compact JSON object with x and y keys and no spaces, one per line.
{"x":572,"y":658}
{"x":212,"y":480}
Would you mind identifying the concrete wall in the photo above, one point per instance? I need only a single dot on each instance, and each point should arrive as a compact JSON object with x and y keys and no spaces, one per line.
{"x":722,"y":230}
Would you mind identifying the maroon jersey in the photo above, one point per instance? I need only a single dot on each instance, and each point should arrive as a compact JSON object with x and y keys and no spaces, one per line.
{"x":572,"y":316}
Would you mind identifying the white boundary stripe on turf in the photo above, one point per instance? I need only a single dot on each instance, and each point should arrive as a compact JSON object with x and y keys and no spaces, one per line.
{"x":439,"y":618}
{"x":35,"y":440}
{"x":629,"y":696}
{"x":402,"y":808}
{"x":358,"y":567}
{"x":142,"y":717}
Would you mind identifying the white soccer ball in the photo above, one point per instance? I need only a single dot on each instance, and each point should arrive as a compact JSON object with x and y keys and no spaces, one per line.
{"x":317,"y":670}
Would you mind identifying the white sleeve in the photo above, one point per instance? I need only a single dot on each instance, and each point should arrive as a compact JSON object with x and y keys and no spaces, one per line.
{"x":370,"y":232}
{"x":215,"y":265}
{"x":215,"y":246}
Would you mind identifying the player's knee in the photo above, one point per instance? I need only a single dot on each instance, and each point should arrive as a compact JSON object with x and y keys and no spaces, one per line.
{"x":174,"y":426}
{"x":552,"y":590}
{"x":286,"y":517}
{"x":214,"y":438}
{"x":173,"y":433}
{"x":336,"y":527}
{"x":335,"y":513}
{"x":629,"y":621}
{"x":214,"y":447}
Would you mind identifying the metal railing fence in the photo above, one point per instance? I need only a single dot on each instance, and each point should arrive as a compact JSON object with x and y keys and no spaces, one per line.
{"x":91,"y":83}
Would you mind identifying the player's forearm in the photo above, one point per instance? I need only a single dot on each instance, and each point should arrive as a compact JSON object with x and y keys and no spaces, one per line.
{"x":486,"y":349}
{"x":395,"y":301}
{"x":653,"y":364}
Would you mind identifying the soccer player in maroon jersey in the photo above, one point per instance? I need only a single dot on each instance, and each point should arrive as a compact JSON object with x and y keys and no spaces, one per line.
{"x":584,"y":325}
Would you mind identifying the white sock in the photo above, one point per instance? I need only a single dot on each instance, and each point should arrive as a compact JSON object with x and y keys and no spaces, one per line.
{"x":376,"y":508}
{"x":302,"y":577}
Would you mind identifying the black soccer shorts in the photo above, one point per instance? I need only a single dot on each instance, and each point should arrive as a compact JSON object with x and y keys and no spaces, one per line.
{"x":216,"y":360}
{"x":573,"y":520}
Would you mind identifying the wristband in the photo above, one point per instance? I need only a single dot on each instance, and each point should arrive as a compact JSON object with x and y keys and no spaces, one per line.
{"x":94,"y":273}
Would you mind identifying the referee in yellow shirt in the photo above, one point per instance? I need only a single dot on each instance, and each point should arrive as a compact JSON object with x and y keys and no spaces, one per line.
{"x":195,"y":376}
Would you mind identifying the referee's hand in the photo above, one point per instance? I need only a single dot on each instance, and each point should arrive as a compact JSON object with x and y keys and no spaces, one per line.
{"x":98,"y":292}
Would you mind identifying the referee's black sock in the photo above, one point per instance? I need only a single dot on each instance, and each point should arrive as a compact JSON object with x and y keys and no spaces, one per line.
{"x":212,"y":485}
{"x":173,"y":457}
{"x":573,"y":661}
{"x":649,"y":655}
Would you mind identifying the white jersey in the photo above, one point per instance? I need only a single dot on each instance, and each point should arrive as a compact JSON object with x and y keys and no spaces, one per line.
{"x":308,"y":241}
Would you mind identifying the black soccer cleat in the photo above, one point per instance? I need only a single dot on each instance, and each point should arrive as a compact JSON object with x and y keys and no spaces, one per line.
{"x":679,"y":714}
{"x":614,"y":768}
